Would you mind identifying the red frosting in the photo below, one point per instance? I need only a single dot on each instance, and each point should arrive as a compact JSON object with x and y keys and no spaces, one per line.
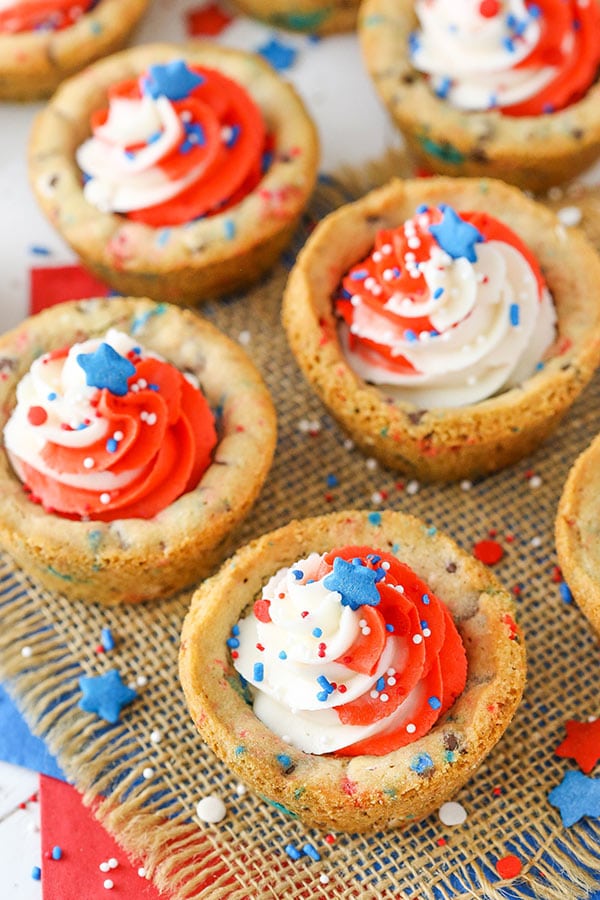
{"x":576,"y":70}
{"x":172,"y":453}
{"x":42,"y":14}
{"x":378,"y":262}
{"x":438,"y":661}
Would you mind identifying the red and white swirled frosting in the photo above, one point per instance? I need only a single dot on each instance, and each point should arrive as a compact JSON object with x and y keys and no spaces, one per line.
{"x":41,"y":15}
{"x":523,"y":57}
{"x":448,"y":309}
{"x":175,"y":144}
{"x":104,"y":430}
{"x":350,"y":653}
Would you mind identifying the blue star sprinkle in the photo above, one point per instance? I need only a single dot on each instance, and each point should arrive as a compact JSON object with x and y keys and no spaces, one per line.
{"x":105,"y":368}
{"x":355,"y":582}
{"x":576,"y":796}
{"x":105,"y":695}
{"x":456,"y":237}
{"x":173,"y":80}
{"x":281,"y":56}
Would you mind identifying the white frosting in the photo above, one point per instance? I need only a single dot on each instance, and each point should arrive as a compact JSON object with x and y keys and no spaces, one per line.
{"x":287,"y":697}
{"x":59,"y":387}
{"x":472,"y":60}
{"x":493,"y":330}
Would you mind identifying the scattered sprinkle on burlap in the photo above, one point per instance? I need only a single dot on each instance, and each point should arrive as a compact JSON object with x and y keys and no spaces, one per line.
{"x":152,"y":812}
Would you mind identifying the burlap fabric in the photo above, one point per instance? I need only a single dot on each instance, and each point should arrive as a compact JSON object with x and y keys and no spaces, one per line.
{"x":152,"y":812}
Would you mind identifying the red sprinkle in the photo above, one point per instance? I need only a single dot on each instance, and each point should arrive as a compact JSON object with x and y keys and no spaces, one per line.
{"x":441,"y":842}
{"x":330,"y":838}
{"x":261,"y":610}
{"x":234,"y":654}
{"x":489,"y":8}
{"x":509,"y":866}
{"x":488,"y":552}
{"x":556,"y":575}
{"x":37,"y":415}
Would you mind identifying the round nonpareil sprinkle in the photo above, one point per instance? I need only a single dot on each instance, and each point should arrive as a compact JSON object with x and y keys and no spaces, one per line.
{"x":211,"y":809}
{"x":452,"y":813}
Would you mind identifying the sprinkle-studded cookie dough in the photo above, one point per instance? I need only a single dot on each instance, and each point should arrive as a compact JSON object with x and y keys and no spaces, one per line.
{"x":315,"y":16}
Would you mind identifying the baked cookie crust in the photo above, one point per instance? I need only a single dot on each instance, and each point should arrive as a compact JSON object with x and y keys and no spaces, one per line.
{"x":365,"y":792}
{"x":533,"y":152}
{"x":315,"y":16}
{"x":198,"y":260}
{"x":33,"y":63}
{"x":128,"y":560}
{"x":468,"y":441}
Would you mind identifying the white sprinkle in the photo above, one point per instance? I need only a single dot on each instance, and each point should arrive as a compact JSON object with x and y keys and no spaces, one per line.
{"x":371,"y":464}
{"x":113,"y":863}
{"x":417,"y":638}
{"x":376,"y":498}
{"x":427,"y":632}
{"x":414,"y":243}
{"x":535,"y":542}
{"x":362,"y":623}
{"x":400,"y":588}
{"x":388,"y":275}
{"x":108,"y":883}
{"x":26,"y":652}
{"x":466,"y":485}
{"x":452,"y":813}
{"x":412,"y":487}
{"x":348,"y":444}
{"x":151,"y":418}
{"x":390,"y":671}
{"x":156,"y":737}
{"x":366,"y":630}
{"x":411,"y":728}
{"x":88,"y":463}
{"x":387,"y":249}
{"x":118,"y":435}
{"x":324,"y":879}
{"x":535,"y":482}
{"x":244,"y":338}
{"x":384,"y":698}
{"x":141,"y":680}
{"x":555,"y":193}
{"x":142,"y":383}
{"x":185,"y":116}
{"x":211,"y":809}
{"x":286,"y":738}
{"x":303,"y":425}
{"x":385,"y":565}
{"x":142,"y":872}
{"x":374,"y":695}
{"x":134,"y":388}
{"x":391,"y":681}
{"x":570,"y":215}
{"x":560,"y":232}
{"x":104,"y":498}
{"x":104,"y":867}
{"x":376,"y":257}
{"x":240,"y":789}
{"x":148,"y":772}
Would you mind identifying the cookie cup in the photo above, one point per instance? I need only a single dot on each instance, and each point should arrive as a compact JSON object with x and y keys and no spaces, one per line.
{"x":315,"y":16}
{"x":129,"y":560}
{"x":533,"y":152}
{"x":364,"y":792}
{"x":33,"y":63}
{"x":467,"y":441}
{"x":188,"y":263}
{"x":577,"y":530}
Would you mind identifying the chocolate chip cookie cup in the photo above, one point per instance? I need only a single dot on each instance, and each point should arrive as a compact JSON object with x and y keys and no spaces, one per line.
{"x":135,"y":438}
{"x":380,"y":788}
{"x":175,"y":172}
{"x":352,"y":262}
{"x":452,"y":130}
{"x":315,"y":16}
{"x":577,"y":533}
{"x":39,"y":50}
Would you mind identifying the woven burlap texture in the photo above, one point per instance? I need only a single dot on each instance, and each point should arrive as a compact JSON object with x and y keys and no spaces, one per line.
{"x":151,"y":788}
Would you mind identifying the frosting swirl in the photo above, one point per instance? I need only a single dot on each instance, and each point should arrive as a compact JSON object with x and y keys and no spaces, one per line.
{"x":349,"y":653}
{"x":448,"y":309}
{"x":524,"y":58}
{"x":105,"y":430}
{"x":41,"y":15}
{"x":175,"y":144}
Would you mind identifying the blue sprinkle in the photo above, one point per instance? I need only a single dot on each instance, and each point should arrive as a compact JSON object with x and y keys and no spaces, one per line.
{"x":442,"y":89}
{"x":426,"y":599}
{"x":293,"y":852}
{"x":81,"y":426}
{"x":413,"y":42}
{"x":56,"y":852}
{"x":410,"y":336}
{"x":265,"y":163}
{"x":322,"y":696}
{"x":438,"y":293}
{"x":422,"y":208}
{"x":317,"y":632}
{"x":514,"y":314}
{"x":36,"y":873}
{"x":107,"y":640}
{"x":534,"y":11}
{"x":325,"y":684}
{"x":421,"y":763}
{"x":111,"y":445}
{"x":509,"y":44}
{"x":431,"y":531}
{"x":312,"y":852}
{"x":154,"y":137}
{"x":39,"y":250}
{"x":153,"y":387}
{"x":234,"y":133}
{"x":298,"y":574}
{"x":163,"y":236}
{"x":424,"y":623}
{"x":281,"y":56}
{"x":565,"y":592}
{"x":539,"y":366}
{"x":374,"y":518}
{"x":240,"y":750}
{"x":259,"y":671}
{"x":434,"y":702}
{"x":235,"y":629}
{"x":511,"y":21}
{"x":232,"y":643}
{"x":380,"y":684}
{"x":332,"y":481}
{"x":282,"y":654}
{"x":173,"y":80}
{"x":284,"y":759}
{"x":229,"y":226}
{"x":548,"y":108}
{"x":359,"y":275}
{"x":373,"y":558}
{"x":389,"y":627}
{"x":52,"y":395}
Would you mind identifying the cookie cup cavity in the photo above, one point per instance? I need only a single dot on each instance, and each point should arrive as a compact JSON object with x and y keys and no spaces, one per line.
{"x":194,"y":261}
{"x":128,"y":560}
{"x":316,"y":16}
{"x":534,"y":152}
{"x":33,"y":63}
{"x":577,"y":532}
{"x":364,"y":792}
{"x":467,"y":441}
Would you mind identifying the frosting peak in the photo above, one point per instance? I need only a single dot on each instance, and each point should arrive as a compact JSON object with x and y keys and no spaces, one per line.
{"x":104,"y":430}
{"x":349,"y":652}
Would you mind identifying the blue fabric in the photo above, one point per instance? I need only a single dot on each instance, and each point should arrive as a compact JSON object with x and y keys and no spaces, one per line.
{"x":19,"y":746}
